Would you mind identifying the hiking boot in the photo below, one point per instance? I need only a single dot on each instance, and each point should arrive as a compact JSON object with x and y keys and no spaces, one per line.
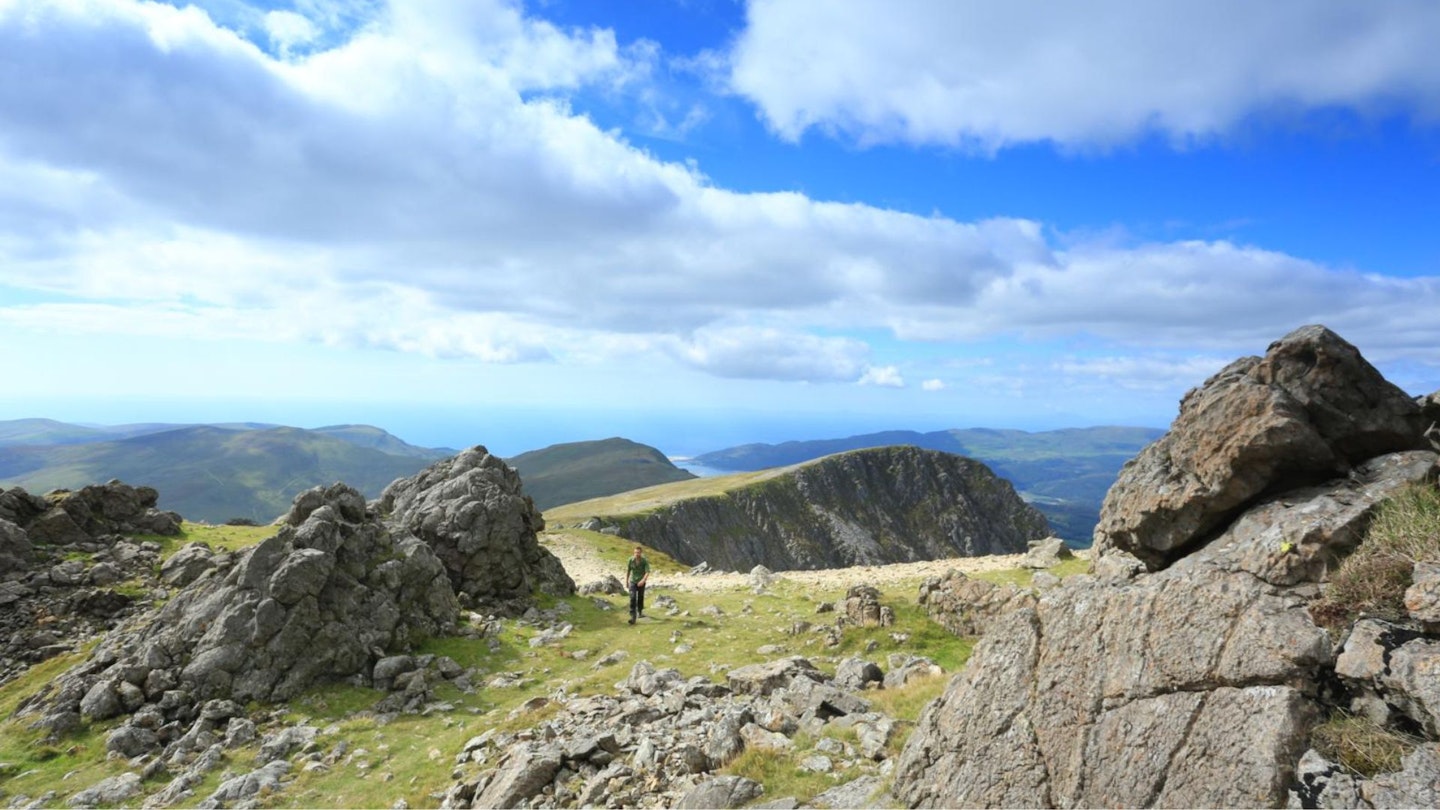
{"x":632,"y":619}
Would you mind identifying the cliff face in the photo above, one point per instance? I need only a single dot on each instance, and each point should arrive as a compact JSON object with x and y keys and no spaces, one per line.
{"x":882,"y":505}
{"x":1188,"y":669}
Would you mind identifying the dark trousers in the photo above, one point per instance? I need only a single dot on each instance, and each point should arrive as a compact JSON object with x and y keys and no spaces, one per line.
{"x":637,"y":599}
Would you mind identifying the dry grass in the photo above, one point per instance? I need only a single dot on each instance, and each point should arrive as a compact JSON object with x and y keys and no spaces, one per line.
{"x":1361,"y":745}
{"x":1373,"y":579}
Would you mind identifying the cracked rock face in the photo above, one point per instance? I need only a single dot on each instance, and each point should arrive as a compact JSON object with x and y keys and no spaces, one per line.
{"x":1308,"y":411}
{"x":470,"y":509}
{"x":321,"y":599}
{"x":1198,"y":684}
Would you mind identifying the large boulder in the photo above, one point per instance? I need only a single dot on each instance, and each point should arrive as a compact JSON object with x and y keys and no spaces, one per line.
{"x":471,"y":510}
{"x":14,"y":548}
{"x":1309,"y":410}
{"x":1196,"y":683}
{"x":323,"y":598}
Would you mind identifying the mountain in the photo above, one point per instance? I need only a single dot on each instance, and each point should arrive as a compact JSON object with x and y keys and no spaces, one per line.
{"x":211,"y":473}
{"x":864,"y":507}
{"x":1064,"y":473}
{"x":578,"y":471}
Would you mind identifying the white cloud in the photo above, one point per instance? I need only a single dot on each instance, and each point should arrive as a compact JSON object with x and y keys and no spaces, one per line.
{"x":933,"y":385}
{"x":766,"y":353}
{"x":987,"y":74}
{"x":423,"y":187}
{"x":288,"y":30}
{"x":882,"y":376}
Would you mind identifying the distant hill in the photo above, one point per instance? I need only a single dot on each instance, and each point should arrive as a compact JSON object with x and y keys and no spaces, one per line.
{"x":577,"y":471}
{"x":1064,"y":473}
{"x":865,"y":507}
{"x":213,"y":473}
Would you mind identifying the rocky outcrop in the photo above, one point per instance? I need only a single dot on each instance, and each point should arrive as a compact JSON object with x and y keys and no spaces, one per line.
{"x":660,"y":739}
{"x":324,"y":598}
{"x":471,"y":511}
{"x":1198,"y":682}
{"x":62,"y":556}
{"x":966,"y":606}
{"x":866,"y":507}
{"x":1309,"y":410}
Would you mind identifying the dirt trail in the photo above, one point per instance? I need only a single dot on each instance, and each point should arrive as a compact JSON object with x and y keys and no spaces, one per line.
{"x":584,"y":566}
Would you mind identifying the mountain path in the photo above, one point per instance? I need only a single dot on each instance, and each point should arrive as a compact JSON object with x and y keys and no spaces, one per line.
{"x":584,"y":565}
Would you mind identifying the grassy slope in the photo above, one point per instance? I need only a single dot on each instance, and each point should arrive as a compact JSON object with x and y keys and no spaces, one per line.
{"x":577,"y":471}
{"x":210,"y":473}
{"x":648,"y":499}
{"x":411,"y":757}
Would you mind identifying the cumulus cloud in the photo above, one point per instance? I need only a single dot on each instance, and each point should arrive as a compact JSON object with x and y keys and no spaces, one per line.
{"x":986,"y":75}
{"x":767,"y":353}
{"x":422,"y":185}
{"x":883,"y":376}
{"x":933,"y":385}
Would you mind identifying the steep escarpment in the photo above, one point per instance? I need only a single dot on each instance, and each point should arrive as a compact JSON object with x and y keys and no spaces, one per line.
{"x":889,"y":504}
{"x":1188,"y":669}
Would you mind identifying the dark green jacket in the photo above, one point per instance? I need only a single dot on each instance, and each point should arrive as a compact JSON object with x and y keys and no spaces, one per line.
{"x":635,"y":570}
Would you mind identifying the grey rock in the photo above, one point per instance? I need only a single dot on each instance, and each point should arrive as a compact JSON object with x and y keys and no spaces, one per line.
{"x":131,"y":741}
{"x":905,"y":668}
{"x":1417,"y":784}
{"x":863,"y":608}
{"x":239,"y":731}
{"x":855,"y":673}
{"x":756,"y":736}
{"x":1422,"y":598}
{"x":608,"y":585}
{"x":265,"y":779}
{"x":15,"y":548}
{"x":859,"y":792}
{"x":103,"y":574}
{"x":280,"y":744}
{"x":763,"y":679}
{"x":1046,"y":553}
{"x":267,"y":627}
{"x":187,"y":565}
{"x":645,"y":679}
{"x":721,"y":792}
{"x":108,"y":792}
{"x":388,"y":668}
{"x":1320,"y":783}
{"x":965,"y":606}
{"x":472,"y":511}
{"x":1309,"y":410}
{"x":101,"y":702}
{"x":817,"y":763}
{"x":526,"y":770}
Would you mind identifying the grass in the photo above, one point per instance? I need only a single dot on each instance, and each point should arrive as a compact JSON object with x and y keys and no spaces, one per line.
{"x":1360,"y":744}
{"x":1373,"y":579}
{"x":219,"y":538}
{"x":411,"y":757}
{"x":649,"y":499}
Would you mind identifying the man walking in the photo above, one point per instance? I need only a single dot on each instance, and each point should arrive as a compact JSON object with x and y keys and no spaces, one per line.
{"x":637,"y":572}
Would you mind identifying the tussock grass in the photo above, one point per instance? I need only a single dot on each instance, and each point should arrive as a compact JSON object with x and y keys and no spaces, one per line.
{"x":1360,"y":744}
{"x":1372,"y":580}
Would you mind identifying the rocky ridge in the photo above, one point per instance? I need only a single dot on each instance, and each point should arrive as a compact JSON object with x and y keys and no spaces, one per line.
{"x":865,"y":507}
{"x":62,"y":557}
{"x":1187,"y":670}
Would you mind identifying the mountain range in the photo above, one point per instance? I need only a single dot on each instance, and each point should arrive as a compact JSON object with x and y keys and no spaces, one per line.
{"x":216,"y":473}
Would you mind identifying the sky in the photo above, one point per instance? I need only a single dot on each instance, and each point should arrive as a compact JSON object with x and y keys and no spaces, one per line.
{"x":701,"y":223}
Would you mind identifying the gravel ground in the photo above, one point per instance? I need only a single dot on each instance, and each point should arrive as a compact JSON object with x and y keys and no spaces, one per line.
{"x":584,"y":566}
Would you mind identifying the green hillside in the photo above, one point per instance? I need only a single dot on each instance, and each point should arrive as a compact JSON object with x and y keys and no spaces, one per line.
{"x":1064,"y":473}
{"x":210,"y":473}
{"x":577,"y":471}
{"x":45,"y":431}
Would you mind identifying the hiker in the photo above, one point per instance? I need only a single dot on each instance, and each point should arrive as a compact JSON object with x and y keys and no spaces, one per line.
{"x":637,"y":572}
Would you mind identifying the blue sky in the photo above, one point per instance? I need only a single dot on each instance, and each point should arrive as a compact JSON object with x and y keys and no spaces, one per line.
{"x":699,"y":223}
